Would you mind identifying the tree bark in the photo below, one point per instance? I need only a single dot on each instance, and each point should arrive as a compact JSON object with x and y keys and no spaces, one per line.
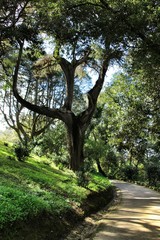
{"x":76,"y":136}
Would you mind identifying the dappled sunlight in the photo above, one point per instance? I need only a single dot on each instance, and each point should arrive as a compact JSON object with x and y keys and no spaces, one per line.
{"x":128,"y":228}
{"x":137,"y":217}
{"x":4,"y":153}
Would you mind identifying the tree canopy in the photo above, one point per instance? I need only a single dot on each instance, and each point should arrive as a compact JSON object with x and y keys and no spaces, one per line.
{"x":90,"y":35}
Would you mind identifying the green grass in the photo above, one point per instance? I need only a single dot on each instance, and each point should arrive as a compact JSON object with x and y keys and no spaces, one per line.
{"x":30,"y":188}
{"x":97,"y":183}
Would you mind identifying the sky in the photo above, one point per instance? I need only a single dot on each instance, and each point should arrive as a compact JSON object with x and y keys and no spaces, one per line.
{"x":111,"y":71}
{"x":109,"y":75}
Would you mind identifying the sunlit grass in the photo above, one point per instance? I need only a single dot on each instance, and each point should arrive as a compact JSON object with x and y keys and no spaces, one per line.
{"x":29,"y":188}
{"x":98,"y":182}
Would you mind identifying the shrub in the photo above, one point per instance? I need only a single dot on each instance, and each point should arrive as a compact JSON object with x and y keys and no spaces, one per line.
{"x":61,"y":161}
{"x":130,"y":173}
{"x":152,"y":168}
{"x":21,"y":152}
{"x":153,"y":174}
{"x":82,"y":178}
{"x":6,"y":144}
{"x":84,"y":173}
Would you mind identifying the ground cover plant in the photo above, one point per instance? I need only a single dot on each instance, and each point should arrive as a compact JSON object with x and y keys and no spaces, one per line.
{"x":37,"y":188}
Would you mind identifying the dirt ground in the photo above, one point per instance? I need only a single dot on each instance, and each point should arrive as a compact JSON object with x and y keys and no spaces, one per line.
{"x":134,"y":215}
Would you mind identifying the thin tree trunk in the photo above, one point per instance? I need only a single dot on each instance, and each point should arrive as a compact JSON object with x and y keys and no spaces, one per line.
{"x":100,"y":168}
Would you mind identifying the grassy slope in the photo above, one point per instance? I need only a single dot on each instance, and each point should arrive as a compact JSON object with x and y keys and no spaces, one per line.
{"x":35,"y":187}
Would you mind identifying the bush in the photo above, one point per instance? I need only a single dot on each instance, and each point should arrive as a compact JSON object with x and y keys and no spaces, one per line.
{"x":153,"y":174}
{"x":84,"y":173}
{"x":21,"y":152}
{"x":61,"y":161}
{"x":6,"y":144}
{"x":82,"y":178}
{"x":130,"y":173}
{"x":152,"y":168}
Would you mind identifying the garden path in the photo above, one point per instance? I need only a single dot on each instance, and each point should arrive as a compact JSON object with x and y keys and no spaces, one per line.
{"x":133,"y":215}
{"x":137,"y":216}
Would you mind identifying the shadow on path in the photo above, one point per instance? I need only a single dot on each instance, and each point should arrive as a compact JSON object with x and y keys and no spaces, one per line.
{"x":137,"y":216}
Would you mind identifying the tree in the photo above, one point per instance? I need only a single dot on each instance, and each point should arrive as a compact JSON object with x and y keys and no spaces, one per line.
{"x":80,"y":52}
{"x":83,"y":34}
{"x":130,"y":118}
{"x":143,"y":58}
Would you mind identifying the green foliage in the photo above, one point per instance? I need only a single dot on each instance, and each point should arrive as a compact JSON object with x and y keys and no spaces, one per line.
{"x":110,"y":165}
{"x":21,"y":151}
{"x":98,"y":183}
{"x":153,"y":175}
{"x":53,"y":144}
{"x":61,"y":161}
{"x":35,"y":186}
{"x":84,"y":174}
{"x":17,"y":205}
{"x":82,"y":178}
{"x":129,"y":173}
{"x":80,"y":34}
{"x":91,"y":34}
{"x":152,"y":168}
{"x":127,"y":131}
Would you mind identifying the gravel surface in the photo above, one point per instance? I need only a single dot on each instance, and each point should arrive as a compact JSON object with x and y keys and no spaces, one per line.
{"x":133,"y":215}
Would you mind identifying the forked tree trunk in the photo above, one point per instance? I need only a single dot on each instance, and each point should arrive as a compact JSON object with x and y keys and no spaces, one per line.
{"x":76,"y":125}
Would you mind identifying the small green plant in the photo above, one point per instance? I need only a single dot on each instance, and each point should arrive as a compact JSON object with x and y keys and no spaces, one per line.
{"x":82,"y":178}
{"x":21,"y":152}
{"x":97,"y":182}
{"x":61,"y":161}
{"x":6,"y":144}
{"x":83,"y":174}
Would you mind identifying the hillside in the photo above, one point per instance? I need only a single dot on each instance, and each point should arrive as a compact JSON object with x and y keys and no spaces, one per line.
{"x":39,"y":201}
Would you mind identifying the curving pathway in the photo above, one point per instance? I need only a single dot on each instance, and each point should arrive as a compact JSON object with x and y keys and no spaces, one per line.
{"x":137,"y":216}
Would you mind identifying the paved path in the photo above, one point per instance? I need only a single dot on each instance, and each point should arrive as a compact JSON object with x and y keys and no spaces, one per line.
{"x":137,"y":216}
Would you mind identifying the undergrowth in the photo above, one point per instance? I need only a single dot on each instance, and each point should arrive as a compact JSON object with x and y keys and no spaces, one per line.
{"x":28,"y":189}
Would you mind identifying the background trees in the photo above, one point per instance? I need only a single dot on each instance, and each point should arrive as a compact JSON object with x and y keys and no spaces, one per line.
{"x":88,"y":36}
{"x":126,"y":131}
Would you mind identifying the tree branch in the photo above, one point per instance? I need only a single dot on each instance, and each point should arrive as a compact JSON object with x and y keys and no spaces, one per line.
{"x":85,"y":116}
{"x":53,"y":113}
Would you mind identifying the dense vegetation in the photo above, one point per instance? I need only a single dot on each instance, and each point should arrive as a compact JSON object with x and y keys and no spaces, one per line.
{"x":35,"y":190}
{"x":125,"y":136}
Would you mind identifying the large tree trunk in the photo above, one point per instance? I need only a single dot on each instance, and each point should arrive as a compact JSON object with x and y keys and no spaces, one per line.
{"x":76,"y":142}
{"x":76,"y":125}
